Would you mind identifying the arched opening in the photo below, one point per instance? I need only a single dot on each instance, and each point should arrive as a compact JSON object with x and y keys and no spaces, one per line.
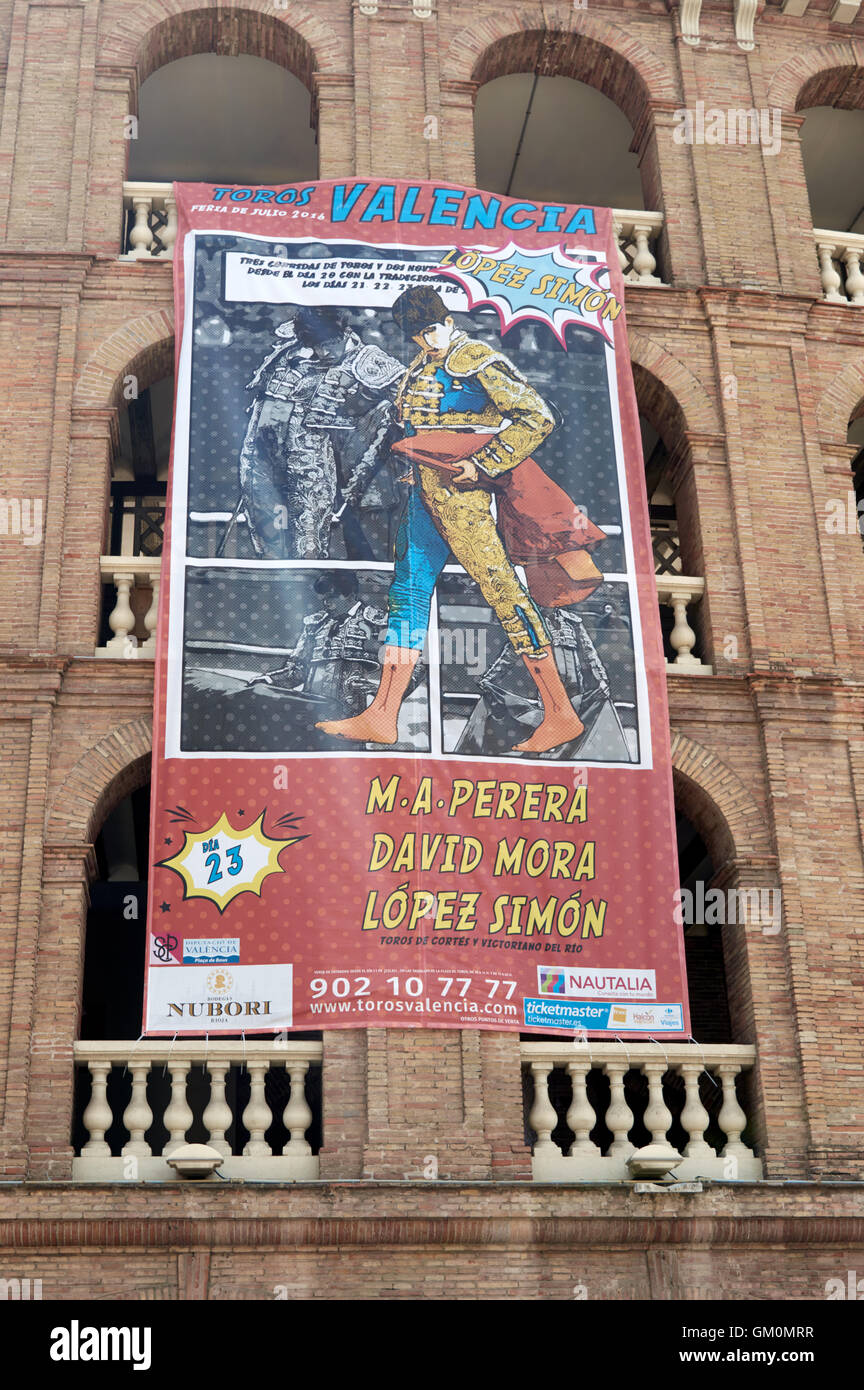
{"x":556,"y":116}
{"x":710,"y":1014}
{"x":674,"y":527}
{"x":144,"y":396}
{"x":554,"y":137}
{"x":223,"y":96}
{"x":832,"y":136}
{"x":113,"y":997}
{"x":209,"y":118}
{"x":139,"y":471}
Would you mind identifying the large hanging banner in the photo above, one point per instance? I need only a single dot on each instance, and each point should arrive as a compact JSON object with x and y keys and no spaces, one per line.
{"x":411,"y":741}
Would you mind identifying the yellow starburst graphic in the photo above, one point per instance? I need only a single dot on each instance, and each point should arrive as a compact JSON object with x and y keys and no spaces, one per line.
{"x":221,"y":863}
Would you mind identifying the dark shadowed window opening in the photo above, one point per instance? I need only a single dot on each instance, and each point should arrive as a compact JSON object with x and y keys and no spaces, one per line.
{"x":113,"y":999}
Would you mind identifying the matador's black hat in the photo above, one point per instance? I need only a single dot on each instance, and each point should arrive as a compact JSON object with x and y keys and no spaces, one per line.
{"x":336,"y":582}
{"x":315,"y":323}
{"x":417,"y":308}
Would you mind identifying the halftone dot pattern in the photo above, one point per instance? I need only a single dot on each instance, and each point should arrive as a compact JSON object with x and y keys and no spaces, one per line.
{"x":311,"y":914}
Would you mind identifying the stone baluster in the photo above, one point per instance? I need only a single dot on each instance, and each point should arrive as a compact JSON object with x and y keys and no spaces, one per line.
{"x":854,"y":274}
{"x":831,"y":281}
{"x":619,"y":1116}
{"x":297,"y":1117}
{"x":178,"y":1117}
{"x":141,"y":237}
{"x":168,"y":234}
{"x":97,"y":1117}
{"x":658,"y":1117}
{"x":682,"y":637}
{"x":151,"y":618}
{"x":618,"y":229}
{"x":581,"y":1118}
{"x":121,"y":620}
{"x":257,"y":1116}
{"x":543,"y":1117}
{"x":217,"y":1116}
{"x":694,"y":1116}
{"x":644,"y":262}
{"x":138,"y":1117}
{"x":731,"y":1118}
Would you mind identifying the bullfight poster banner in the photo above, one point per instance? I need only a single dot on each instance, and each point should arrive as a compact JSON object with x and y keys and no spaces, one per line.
{"x":411,"y":742}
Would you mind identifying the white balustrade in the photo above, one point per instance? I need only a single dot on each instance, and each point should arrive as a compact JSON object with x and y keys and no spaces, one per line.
{"x":660,"y":1063}
{"x":129,"y":574}
{"x":636,"y":232}
{"x":182,"y":1062}
{"x":150,"y":210}
{"x":678,"y":592}
{"x":840,"y":249}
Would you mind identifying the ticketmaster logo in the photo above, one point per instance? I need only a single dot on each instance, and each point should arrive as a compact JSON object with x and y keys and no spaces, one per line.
{"x":604,"y":1016}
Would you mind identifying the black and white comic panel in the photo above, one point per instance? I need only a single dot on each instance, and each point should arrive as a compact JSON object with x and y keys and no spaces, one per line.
{"x":488,"y":701}
{"x":270,"y":652}
{"x":352,"y":423}
{"x":297,"y":360}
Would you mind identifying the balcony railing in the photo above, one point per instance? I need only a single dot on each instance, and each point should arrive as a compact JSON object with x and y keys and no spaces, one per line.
{"x":593,"y":1105}
{"x":193,"y":1088}
{"x":680,"y":592}
{"x":149,"y":222}
{"x":150,"y":231}
{"x":133,"y":616}
{"x":840,"y":264}
{"x":637,"y":233}
{"x":135,"y":578}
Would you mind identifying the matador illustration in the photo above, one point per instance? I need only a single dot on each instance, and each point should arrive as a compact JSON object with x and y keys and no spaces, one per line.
{"x":471,"y":421}
{"x":319,"y":391}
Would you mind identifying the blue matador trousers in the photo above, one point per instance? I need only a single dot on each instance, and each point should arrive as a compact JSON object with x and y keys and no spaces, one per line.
{"x":436,"y":521}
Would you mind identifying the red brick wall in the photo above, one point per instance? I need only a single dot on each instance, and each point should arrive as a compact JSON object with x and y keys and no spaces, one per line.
{"x":750,"y":378}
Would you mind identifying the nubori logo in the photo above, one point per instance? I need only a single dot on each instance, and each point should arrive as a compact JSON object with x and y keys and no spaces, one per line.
{"x":217,"y":1008}
{"x":76,"y":1343}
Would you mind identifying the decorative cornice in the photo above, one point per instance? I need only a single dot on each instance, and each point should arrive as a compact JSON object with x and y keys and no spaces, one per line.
{"x":528,"y":1232}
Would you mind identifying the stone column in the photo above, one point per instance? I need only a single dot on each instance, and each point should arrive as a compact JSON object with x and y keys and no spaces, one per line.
{"x":59,"y":973}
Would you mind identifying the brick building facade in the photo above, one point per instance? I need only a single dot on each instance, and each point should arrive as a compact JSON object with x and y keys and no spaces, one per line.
{"x":749,"y":366}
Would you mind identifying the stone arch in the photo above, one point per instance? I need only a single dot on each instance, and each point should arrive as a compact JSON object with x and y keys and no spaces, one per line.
{"x":718,"y":803}
{"x":680,"y":399}
{"x":584,"y":46}
{"x":143,"y":347}
{"x":839,"y":401}
{"x":164,"y":30}
{"x":830,"y":75}
{"x":115,"y":766}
